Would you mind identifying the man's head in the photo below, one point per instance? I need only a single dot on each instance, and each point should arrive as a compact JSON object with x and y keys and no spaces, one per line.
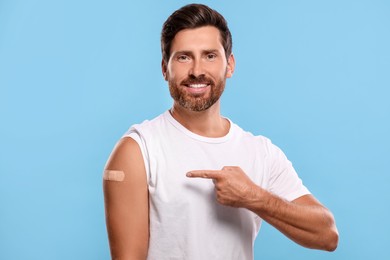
{"x":190,"y":17}
{"x":197,"y":56}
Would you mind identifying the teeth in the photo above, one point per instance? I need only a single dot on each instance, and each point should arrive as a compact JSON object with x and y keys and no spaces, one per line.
{"x":197,"y":85}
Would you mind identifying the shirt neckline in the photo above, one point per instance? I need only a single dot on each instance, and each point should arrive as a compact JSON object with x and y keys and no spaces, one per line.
{"x":201,"y":138}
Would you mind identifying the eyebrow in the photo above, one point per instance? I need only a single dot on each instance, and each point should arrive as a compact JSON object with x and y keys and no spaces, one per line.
{"x":210,"y":50}
{"x":185,"y":52}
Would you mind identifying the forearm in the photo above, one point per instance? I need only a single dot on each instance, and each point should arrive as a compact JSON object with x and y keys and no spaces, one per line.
{"x":305,"y":221}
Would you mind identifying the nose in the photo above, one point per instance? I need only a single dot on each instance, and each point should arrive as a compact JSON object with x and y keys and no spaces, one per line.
{"x":196,"y":69}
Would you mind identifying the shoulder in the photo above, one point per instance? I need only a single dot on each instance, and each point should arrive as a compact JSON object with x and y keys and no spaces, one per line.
{"x":126,"y":155}
{"x":147,"y":126}
{"x":126,"y":145}
{"x":261,"y":143}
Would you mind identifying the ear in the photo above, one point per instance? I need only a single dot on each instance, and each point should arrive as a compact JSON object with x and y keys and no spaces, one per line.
{"x":230,"y":66}
{"x":164,"y":69}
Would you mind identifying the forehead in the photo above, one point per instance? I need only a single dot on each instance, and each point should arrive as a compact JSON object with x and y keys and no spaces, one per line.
{"x":206,"y":37}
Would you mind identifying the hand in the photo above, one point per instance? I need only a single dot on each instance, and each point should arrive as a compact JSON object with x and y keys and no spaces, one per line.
{"x":232,"y":186}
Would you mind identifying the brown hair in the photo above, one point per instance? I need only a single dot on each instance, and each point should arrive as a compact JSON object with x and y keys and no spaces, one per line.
{"x":190,"y":17}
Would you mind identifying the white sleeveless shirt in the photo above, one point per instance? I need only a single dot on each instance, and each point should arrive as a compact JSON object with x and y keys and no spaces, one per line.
{"x":186,"y":221}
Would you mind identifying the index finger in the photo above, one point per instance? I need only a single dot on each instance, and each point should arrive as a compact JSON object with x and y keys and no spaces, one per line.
{"x":206,"y":174}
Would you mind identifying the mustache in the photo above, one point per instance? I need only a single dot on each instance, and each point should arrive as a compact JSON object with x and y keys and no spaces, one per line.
{"x":201,"y":79}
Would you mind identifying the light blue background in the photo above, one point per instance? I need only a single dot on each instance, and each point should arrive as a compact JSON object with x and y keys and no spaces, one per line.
{"x":314,"y":76}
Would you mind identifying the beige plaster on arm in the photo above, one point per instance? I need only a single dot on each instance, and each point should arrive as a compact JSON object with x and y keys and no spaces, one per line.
{"x":126,"y":202}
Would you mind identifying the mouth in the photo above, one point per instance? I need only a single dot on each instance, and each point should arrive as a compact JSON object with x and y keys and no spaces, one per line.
{"x":200,"y":85}
{"x":197,"y":88}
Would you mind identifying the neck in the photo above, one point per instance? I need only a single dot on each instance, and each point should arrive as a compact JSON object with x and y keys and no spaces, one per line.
{"x":208,"y":123}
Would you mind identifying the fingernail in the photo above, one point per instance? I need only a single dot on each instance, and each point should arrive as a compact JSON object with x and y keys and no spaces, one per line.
{"x":188,"y":174}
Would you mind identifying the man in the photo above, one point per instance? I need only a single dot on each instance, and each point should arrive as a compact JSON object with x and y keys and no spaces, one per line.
{"x":190,"y":184}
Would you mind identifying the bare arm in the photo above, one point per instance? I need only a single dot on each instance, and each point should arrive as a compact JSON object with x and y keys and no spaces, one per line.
{"x":126,"y":202}
{"x":303,"y":220}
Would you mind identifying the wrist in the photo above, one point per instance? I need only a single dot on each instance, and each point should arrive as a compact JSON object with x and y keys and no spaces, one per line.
{"x":255,"y":198}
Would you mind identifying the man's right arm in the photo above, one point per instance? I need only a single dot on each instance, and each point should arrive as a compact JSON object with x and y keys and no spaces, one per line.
{"x":126,"y":201}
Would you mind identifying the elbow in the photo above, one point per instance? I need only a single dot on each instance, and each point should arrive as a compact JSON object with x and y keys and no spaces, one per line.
{"x":327,"y":241}
{"x":331,"y":235}
{"x":332,"y":240}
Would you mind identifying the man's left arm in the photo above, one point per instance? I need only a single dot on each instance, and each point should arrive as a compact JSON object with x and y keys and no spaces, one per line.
{"x":304,"y":220}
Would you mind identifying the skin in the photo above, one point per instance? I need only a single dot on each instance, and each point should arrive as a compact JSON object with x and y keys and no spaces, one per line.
{"x":196,"y":54}
{"x":126,"y":203}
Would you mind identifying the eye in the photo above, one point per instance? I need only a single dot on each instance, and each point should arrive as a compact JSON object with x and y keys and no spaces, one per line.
{"x":183,"y":58}
{"x":211,"y":56}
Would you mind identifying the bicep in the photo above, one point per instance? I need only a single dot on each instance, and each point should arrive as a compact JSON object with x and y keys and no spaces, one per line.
{"x":126,"y":201}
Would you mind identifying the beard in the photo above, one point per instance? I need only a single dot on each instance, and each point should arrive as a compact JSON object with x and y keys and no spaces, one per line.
{"x":196,"y":102}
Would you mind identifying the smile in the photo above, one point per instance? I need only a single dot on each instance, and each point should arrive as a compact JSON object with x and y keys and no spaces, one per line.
{"x":197,"y":85}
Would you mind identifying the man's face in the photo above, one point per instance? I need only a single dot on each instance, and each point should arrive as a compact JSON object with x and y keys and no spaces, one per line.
{"x":197,"y":68}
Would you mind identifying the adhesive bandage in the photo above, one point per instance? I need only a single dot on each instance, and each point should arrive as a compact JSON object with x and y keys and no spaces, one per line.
{"x":112,"y":175}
